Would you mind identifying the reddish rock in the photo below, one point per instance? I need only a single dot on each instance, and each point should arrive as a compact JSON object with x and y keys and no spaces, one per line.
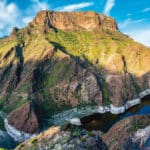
{"x":71,"y":68}
{"x":83,"y":87}
{"x":24,"y":119}
{"x":120,"y":135}
{"x":74,"y":20}
{"x":121,"y":88}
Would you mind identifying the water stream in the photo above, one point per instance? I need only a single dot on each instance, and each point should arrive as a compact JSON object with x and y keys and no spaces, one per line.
{"x":103,"y":122}
{"x":95,"y":121}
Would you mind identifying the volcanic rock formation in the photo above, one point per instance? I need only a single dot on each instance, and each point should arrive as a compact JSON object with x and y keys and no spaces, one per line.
{"x":63,"y":60}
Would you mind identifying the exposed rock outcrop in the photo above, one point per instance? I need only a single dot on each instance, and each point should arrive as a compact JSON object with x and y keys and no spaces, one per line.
{"x":17,"y":135}
{"x":79,"y":60}
{"x":74,"y":21}
{"x":81,"y":87}
{"x":141,"y":139}
{"x":54,"y":138}
{"x":28,"y":121}
{"x":130,"y":133}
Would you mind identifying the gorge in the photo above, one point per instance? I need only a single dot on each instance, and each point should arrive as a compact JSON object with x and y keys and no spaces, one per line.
{"x":67,"y":65}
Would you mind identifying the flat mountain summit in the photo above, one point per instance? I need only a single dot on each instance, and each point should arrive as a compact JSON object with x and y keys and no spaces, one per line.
{"x":64,"y":60}
{"x":74,"y":21}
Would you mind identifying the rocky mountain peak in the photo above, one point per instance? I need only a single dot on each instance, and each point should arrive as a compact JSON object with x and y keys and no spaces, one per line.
{"x":14,"y":32}
{"x":71,"y":21}
{"x":86,"y":62}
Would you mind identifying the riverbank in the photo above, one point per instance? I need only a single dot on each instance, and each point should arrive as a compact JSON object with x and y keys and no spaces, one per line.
{"x":68,"y":116}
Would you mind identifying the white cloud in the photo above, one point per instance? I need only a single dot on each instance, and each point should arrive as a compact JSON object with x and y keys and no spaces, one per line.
{"x":9,"y":14}
{"x":129,"y":21}
{"x":108,"y":7}
{"x":135,"y":29}
{"x":146,"y":10}
{"x":37,"y":6}
{"x":139,"y":20}
{"x":75,"y":6}
{"x":140,"y":35}
{"x":27,"y":19}
{"x":124,"y":23}
{"x":129,"y":14}
{"x":31,"y":11}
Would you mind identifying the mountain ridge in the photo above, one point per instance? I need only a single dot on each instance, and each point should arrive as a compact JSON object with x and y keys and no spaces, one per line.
{"x":59,"y":62}
{"x":74,"y":20}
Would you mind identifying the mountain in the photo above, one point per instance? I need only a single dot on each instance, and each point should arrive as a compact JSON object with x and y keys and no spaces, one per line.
{"x":65,"y":60}
{"x":126,"y":134}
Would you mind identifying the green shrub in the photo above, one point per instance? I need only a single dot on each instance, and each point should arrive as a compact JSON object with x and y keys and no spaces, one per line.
{"x":136,"y":124}
{"x":2,"y":127}
{"x":21,"y":145}
{"x":34,"y":140}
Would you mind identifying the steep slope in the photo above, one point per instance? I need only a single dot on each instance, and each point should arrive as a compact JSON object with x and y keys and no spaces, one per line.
{"x":129,"y":134}
{"x":64,"y":60}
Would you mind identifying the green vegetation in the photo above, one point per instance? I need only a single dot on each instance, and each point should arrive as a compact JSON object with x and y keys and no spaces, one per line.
{"x":105,"y":92}
{"x":2,"y":148}
{"x":137,"y":124}
{"x":61,"y":71}
{"x":2,"y":127}
{"x":3,"y":100}
{"x":34,"y":54}
{"x":34,"y":140}
{"x":21,"y":145}
{"x":43,"y":81}
{"x":93,"y":45}
{"x":136,"y":86}
{"x":17,"y":101}
{"x":90,"y":47}
{"x":49,"y":106}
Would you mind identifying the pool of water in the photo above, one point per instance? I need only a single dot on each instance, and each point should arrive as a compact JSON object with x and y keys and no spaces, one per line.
{"x":6,"y":141}
{"x":93,"y":122}
{"x":103,"y":122}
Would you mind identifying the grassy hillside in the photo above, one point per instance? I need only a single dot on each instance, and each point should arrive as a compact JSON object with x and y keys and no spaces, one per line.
{"x":55,"y":70}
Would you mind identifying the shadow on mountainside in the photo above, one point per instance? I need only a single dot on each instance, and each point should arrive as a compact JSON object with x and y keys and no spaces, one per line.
{"x":54,"y":84}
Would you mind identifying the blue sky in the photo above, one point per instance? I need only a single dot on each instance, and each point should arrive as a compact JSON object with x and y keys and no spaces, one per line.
{"x":132,"y":16}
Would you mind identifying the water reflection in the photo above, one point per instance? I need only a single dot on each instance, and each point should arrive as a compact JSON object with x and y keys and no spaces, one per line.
{"x":93,"y":122}
{"x":104,"y":121}
{"x":6,"y":141}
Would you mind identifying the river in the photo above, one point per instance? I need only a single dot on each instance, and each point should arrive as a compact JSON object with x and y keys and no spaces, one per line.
{"x":103,"y":122}
{"x":95,"y":121}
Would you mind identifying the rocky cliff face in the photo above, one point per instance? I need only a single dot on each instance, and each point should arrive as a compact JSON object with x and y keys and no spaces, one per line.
{"x":55,"y":138}
{"x":74,"y":21}
{"x":28,"y":121}
{"x":66,"y":60}
{"x":129,"y":134}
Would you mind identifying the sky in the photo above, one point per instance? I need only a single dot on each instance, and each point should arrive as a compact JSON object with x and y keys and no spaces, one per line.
{"x":132,"y":16}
